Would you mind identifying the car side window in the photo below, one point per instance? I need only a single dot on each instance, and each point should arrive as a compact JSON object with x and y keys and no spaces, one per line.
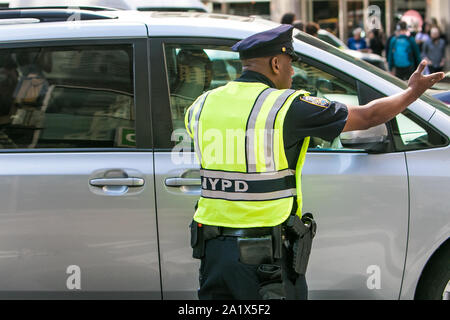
{"x":67,"y":97}
{"x":412,"y":134}
{"x":322,"y":84}
{"x":194,"y":69}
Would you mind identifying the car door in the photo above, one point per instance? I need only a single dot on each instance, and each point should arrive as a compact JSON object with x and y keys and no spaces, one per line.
{"x":188,"y":70}
{"x":359,"y":199}
{"x":78,"y":213}
{"x":358,"y":194}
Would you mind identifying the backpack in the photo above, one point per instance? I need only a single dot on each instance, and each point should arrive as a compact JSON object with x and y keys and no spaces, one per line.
{"x":402,"y":52}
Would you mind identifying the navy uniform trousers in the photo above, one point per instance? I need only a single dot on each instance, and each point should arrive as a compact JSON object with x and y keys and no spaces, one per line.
{"x":224,"y":277}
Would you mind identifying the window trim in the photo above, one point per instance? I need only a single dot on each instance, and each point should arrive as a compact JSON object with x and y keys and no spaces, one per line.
{"x":140,"y":87}
{"x":398,"y":142}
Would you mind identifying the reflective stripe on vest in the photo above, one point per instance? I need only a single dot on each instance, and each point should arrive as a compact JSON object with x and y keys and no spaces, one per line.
{"x":248,"y":186}
{"x":194,"y":115}
{"x":250,"y":143}
{"x":257,"y":187}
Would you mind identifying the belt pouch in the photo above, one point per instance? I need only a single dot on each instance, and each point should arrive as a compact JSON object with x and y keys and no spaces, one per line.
{"x":271,"y":284}
{"x":210,"y":232}
{"x":197,"y":241}
{"x":255,"y":250}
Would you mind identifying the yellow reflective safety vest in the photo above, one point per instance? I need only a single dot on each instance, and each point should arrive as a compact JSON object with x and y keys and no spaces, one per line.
{"x":238,"y":139}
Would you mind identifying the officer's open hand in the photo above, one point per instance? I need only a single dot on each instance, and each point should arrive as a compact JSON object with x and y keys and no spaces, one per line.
{"x":419,"y":83}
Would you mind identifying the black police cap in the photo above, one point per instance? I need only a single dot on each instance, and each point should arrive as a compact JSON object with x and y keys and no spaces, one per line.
{"x":267,"y":43}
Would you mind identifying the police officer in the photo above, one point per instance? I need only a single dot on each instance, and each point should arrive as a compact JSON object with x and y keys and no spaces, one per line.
{"x":246,"y":228}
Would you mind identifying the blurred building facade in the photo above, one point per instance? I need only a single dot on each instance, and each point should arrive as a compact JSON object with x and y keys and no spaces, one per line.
{"x":247,"y":8}
{"x":340,"y":16}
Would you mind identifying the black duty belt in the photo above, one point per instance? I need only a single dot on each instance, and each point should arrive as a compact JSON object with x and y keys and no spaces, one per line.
{"x":246,"y":232}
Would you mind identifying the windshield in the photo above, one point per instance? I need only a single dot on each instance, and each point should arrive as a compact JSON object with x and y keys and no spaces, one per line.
{"x":367,"y":66}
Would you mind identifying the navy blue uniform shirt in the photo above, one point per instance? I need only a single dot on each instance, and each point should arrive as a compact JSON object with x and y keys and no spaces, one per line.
{"x":305,"y":119}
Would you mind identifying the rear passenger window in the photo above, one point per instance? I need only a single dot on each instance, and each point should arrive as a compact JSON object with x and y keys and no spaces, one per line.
{"x":194,"y":69}
{"x":67,"y":97}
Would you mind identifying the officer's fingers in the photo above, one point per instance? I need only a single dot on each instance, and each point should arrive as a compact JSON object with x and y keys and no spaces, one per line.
{"x":421,"y":66}
{"x":435,"y":77}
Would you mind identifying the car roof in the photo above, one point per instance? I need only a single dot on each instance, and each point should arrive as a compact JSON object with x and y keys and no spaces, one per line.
{"x":118,"y":4}
{"x":129,"y":23}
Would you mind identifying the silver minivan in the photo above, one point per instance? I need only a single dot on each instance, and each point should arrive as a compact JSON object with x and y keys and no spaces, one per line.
{"x":98,"y":182}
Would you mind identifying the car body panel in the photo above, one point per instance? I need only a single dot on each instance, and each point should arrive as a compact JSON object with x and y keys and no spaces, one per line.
{"x":117,"y":4}
{"x":51,"y":220}
{"x":74,"y":30}
{"x":360,"y":203}
{"x":175,"y":206}
{"x":429,"y":212}
{"x":346,"y":223}
{"x":428,"y":215}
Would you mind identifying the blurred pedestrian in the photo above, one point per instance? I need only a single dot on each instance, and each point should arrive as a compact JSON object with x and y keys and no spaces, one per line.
{"x":312,"y":28}
{"x":424,"y":35}
{"x":394,"y":34}
{"x":288,"y":18}
{"x":403,"y":55}
{"x":357,"y":42}
{"x":434,"y":51}
{"x":375,"y":41}
{"x":434,"y":23}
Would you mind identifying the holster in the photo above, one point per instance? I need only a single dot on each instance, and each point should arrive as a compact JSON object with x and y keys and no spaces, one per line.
{"x":301,"y":233}
{"x":199,"y":235}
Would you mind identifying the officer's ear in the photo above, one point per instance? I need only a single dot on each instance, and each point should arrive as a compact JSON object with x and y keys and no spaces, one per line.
{"x":274,"y":63}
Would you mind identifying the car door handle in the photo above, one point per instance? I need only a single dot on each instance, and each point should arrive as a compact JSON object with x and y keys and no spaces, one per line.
{"x":128,"y":182}
{"x":180,"y":182}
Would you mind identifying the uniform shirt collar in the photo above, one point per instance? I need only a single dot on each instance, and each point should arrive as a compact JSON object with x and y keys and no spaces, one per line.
{"x":253,"y":76}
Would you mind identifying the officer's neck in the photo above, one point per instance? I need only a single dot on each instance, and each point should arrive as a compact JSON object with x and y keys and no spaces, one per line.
{"x":253,"y":75}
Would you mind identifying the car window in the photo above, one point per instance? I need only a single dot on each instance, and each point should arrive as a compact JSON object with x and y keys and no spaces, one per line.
{"x":412,"y":134}
{"x":380,"y":71}
{"x":322,"y":84}
{"x":67,"y":97}
{"x":194,"y":69}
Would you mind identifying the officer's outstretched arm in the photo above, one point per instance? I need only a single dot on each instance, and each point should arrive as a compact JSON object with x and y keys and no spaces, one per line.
{"x":382,"y":110}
